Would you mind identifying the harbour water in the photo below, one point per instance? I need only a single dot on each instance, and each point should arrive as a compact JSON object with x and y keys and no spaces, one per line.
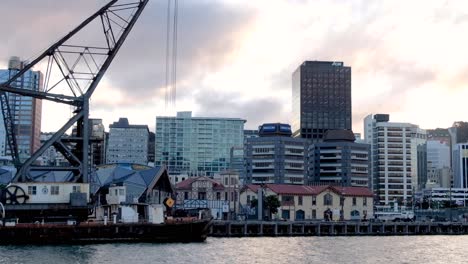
{"x":388,"y":249}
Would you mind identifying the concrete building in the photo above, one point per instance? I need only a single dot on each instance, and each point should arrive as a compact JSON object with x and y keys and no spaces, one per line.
{"x":237,"y":162}
{"x":196,"y":145}
{"x":276,"y":157}
{"x":26,"y":111}
{"x":51,"y":157}
{"x":438,"y":177}
{"x":330,"y":203}
{"x":127,"y":143}
{"x":250,"y":133}
{"x":460,"y":169}
{"x":340,"y":161}
{"x":438,"y":154}
{"x":394,"y":157}
{"x":321,"y":98}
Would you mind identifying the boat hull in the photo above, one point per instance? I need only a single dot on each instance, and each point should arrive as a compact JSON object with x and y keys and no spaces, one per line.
{"x":85,"y":233}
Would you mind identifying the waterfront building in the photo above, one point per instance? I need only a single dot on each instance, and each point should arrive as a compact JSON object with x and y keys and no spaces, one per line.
{"x":205,"y":192}
{"x":394,"y":157}
{"x":276,"y":157}
{"x":460,"y":168}
{"x":321,"y":98}
{"x":458,"y":196}
{"x":313,"y":202}
{"x":25,"y":111}
{"x":130,"y":192}
{"x":127,"y":143}
{"x":196,"y":145}
{"x":340,"y":161}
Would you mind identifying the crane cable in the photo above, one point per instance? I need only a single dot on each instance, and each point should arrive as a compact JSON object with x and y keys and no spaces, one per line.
{"x":171,"y":56}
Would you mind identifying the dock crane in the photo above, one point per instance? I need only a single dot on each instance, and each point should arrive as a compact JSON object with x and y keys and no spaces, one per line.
{"x":80,"y":67}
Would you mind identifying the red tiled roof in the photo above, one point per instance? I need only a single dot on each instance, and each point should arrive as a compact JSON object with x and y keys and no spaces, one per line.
{"x":290,"y":189}
{"x":353,"y":191}
{"x":187,"y":184}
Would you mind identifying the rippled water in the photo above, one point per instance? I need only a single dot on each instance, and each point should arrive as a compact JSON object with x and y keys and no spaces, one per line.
{"x":402,"y":249}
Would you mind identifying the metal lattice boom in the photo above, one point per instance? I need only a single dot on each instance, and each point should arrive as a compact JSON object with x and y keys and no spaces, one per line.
{"x":72,"y":75}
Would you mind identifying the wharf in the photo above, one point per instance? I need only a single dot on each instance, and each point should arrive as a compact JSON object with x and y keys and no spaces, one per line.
{"x":346,"y":228}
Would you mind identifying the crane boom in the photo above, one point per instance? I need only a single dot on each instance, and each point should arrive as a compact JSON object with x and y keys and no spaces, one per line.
{"x":80,"y":68}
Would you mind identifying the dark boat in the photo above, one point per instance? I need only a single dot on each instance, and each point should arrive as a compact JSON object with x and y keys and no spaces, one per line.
{"x":179,"y":230}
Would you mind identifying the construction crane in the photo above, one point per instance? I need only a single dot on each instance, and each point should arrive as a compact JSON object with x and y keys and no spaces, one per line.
{"x":80,"y":67}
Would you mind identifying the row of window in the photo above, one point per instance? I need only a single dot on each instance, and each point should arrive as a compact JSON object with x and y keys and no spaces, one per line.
{"x":54,"y":190}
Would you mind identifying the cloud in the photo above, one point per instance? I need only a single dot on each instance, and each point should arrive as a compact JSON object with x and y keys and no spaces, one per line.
{"x":233,"y":105}
{"x":404,"y":60}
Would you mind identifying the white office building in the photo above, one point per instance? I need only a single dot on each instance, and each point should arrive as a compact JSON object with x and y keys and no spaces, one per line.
{"x":394,"y":151}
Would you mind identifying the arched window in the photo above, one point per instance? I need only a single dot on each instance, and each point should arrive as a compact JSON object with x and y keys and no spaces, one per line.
{"x":327,"y":199}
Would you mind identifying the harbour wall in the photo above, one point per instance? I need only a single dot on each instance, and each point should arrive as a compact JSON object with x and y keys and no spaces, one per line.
{"x":350,"y":228}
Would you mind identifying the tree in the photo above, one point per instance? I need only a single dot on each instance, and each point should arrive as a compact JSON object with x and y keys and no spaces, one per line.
{"x":272,"y":203}
{"x":254,"y":203}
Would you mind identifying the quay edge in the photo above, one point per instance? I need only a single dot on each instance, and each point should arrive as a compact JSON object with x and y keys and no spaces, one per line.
{"x":350,"y":228}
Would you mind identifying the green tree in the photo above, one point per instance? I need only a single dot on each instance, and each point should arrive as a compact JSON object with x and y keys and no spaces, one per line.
{"x":272,"y":203}
{"x":254,"y":203}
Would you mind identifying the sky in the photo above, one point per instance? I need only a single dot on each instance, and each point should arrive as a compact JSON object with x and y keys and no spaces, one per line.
{"x":236,"y":57}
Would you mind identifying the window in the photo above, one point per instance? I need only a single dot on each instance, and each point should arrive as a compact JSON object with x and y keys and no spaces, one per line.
{"x":76,"y":189}
{"x":202,"y":196}
{"x":32,"y":190}
{"x":248,"y":199}
{"x":314,"y":214}
{"x":218,"y":196}
{"x":314,"y":200}
{"x":185,"y":195}
{"x":54,"y":190}
{"x":327,"y":199}
{"x":364,"y":201}
{"x":354,"y":201}
{"x":299,"y":200}
{"x":121,"y":192}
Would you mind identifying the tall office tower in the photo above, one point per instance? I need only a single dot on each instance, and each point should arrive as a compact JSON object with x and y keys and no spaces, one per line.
{"x":127,"y":143}
{"x":394,"y":151}
{"x":196,"y":145}
{"x":460,"y":168}
{"x":276,"y":157}
{"x":340,"y":161}
{"x":321,"y":99}
{"x":26,"y":111}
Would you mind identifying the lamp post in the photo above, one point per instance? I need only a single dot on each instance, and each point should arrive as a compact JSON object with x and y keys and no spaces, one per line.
{"x":342,"y":199}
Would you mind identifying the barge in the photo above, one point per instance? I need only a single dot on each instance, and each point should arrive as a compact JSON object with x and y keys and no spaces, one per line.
{"x":86,"y":233}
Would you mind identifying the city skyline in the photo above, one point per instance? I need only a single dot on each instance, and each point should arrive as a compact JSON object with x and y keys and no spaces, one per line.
{"x":236,"y":57}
